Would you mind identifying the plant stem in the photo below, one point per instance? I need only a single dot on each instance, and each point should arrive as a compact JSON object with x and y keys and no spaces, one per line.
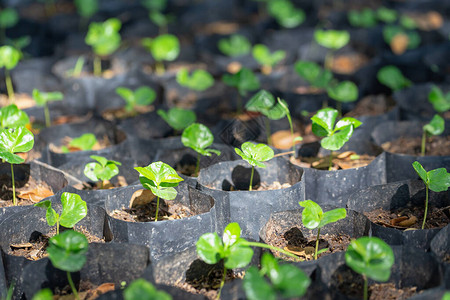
{"x":101,"y":184}
{"x":13,"y":186}
{"x":424,"y":139}
{"x":157,"y":209}
{"x":288,"y":115}
{"x":251,"y":178}
{"x":317,"y":244}
{"x":72,"y":286}
{"x":78,"y":67}
{"x":197,"y":166}
{"x":47,"y":115}
{"x":366,"y":288}
{"x":9,"y":86}
{"x":57,"y":226}
{"x":330,"y":165}
{"x":159,"y":67}
{"x":267,"y":123}
{"x":222,"y":282}
{"x":266,"y":246}
{"x":426,"y":207}
{"x":97,"y":66}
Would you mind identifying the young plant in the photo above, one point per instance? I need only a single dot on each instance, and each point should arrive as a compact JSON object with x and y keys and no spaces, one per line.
{"x":9,"y":57}
{"x":42,"y":98}
{"x":165,"y":47}
{"x":314,"y":74}
{"x":437,"y":180}
{"x":285,"y":13}
{"x":235,"y":45}
{"x":103,"y":169}
{"x":74,"y":209}
{"x":332,"y":40}
{"x":14,"y":140}
{"x":200,"y":80}
{"x":86,"y":9}
{"x":400,"y":39}
{"x":156,"y":15}
{"x":343,"y":92}
{"x":11,"y":117}
{"x":142,"y":289}
{"x":286,"y":280}
{"x":67,"y":252}
{"x":244,"y":81}
{"x":365,"y":18}
{"x":393,"y":78}
{"x":439,"y":100}
{"x":178,"y":118}
{"x":313,"y":217}
{"x":44,"y":294}
{"x":104,"y":38}
{"x":265,"y":58}
{"x":84,"y":142}
{"x":139,"y":97}
{"x":372,"y":258}
{"x":254,"y":154}
{"x":435,"y":127}
{"x":335,"y":134}
{"x":160,"y":179}
{"x":288,"y":115}
{"x":8,"y":18}
{"x":386,"y":15}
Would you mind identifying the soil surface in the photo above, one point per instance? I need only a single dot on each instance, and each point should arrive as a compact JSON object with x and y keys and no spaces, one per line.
{"x":186,"y":169}
{"x":121,"y":113}
{"x":101,"y":144}
{"x":86,"y":291}
{"x":348,"y":63}
{"x":372,"y":105}
{"x":27,"y":193}
{"x":22,"y":101}
{"x":102,"y":185}
{"x":435,"y":146}
{"x":341,"y":161}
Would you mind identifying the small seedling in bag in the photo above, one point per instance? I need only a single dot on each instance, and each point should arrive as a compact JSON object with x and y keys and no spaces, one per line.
{"x":198,"y":137}
{"x":437,"y":180}
{"x":142,"y":96}
{"x":372,"y":258}
{"x":84,"y":142}
{"x":42,"y":98}
{"x":200,"y":80}
{"x":165,"y":47}
{"x":11,"y":117}
{"x":8,"y":18}
{"x":160,"y":179}
{"x":9,"y":57}
{"x":74,"y":209}
{"x":285,"y":280}
{"x":332,"y":40}
{"x":142,"y":289}
{"x":386,"y":15}
{"x":439,"y":100}
{"x":400,"y":39}
{"x":343,"y":92}
{"x":254,"y":154}
{"x":86,"y":9}
{"x":365,"y":18}
{"x":103,"y":169}
{"x":67,"y":252}
{"x":265,"y":58}
{"x":156,"y":15}
{"x":288,"y":115}
{"x":435,"y":127}
{"x":235,"y":45}
{"x":314,"y":74}
{"x":393,"y":78}
{"x":14,"y":140}
{"x":313,"y":217}
{"x":44,"y":294}
{"x":177,"y":118}
{"x":243,"y":81}
{"x":285,"y":13}
{"x":335,"y":134}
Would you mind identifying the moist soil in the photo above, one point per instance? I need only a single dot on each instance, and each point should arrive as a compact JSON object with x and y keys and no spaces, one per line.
{"x":348,"y":63}
{"x":410,"y":217}
{"x":435,"y":146}
{"x":86,"y":291}
{"x":27,"y":193}
{"x":341,"y":161}
{"x":186,"y":169}
{"x":372,"y":105}
{"x":100,"y":144}
{"x":22,"y":100}
{"x":122,"y":113}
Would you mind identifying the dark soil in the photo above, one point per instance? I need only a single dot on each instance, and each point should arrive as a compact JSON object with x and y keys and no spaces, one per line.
{"x":86,"y":291}
{"x":435,"y":146}
{"x":186,"y":169}
{"x":341,"y":161}
{"x":28,"y":192}
{"x":121,"y":113}
{"x":372,"y":105}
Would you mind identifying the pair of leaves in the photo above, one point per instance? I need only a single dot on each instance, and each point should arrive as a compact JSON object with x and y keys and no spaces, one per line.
{"x":141,"y":96}
{"x":345,"y":91}
{"x":84,"y":142}
{"x":264,"y":57}
{"x":198,"y":137}
{"x":314,"y":217}
{"x":393,"y":78}
{"x":42,"y":98}
{"x":200,"y":80}
{"x":244,"y":81}
{"x":437,"y":180}
{"x":67,"y":251}
{"x":435,"y":127}
{"x":365,"y":18}
{"x":439,"y":100}
{"x":371,"y":257}
{"x":103,"y":169}
{"x":178,"y":118}
{"x":142,"y":289}
{"x":265,"y":103}
{"x":104,"y":37}
{"x":14,"y":140}
{"x":323,"y":125}
{"x":286,"y":280}
{"x":211,"y":249}
{"x":160,"y":178}
{"x":313,"y":73}
{"x":387,"y":15}
{"x":286,"y":14}
{"x":74,"y":209}
{"x":165,"y":47}
{"x":255,"y":154}
{"x":332,"y":39}
{"x":11,"y":117}
{"x":235,"y":45}
{"x":9,"y":57}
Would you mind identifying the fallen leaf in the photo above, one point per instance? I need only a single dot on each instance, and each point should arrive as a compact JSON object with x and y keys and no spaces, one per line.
{"x":21,"y":245}
{"x":36,"y":195}
{"x":141,"y":197}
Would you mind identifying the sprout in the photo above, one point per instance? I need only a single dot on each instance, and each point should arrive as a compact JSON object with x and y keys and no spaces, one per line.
{"x":165,"y":47}
{"x":200,"y":80}
{"x":393,"y":78}
{"x":435,"y":127}
{"x":42,"y":98}
{"x":235,"y":45}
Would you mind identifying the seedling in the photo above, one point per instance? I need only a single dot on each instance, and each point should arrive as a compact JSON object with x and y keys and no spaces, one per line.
{"x":67,"y":252}
{"x":313,"y":217}
{"x":44,"y":294}
{"x":198,"y":137}
{"x":409,"y":39}
{"x":142,"y":289}
{"x":244,"y":81}
{"x":439,"y":100}
{"x":386,"y":15}
{"x":372,"y":258}
{"x":14,"y":140}
{"x":74,"y":209}
{"x":435,"y":127}
{"x":200,"y":80}
{"x":437,"y":180}
{"x":288,"y":115}
{"x":332,"y":40}
{"x":9,"y":57}
{"x":314,"y":74}
{"x":164,"y":47}
{"x":285,"y":13}
{"x":335,"y":134}
{"x":343,"y":92}
{"x":11,"y":117}
{"x":83,"y":143}
{"x":86,"y":9}
{"x":235,"y":45}
{"x":286,"y":280}
{"x":160,"y":179}
{"x":265,"y":58}
{"x":156,"y":14}
{"x":393,"y":78}
{"x":140,"y":97}
{"x":254,"y":154}
{"x":8,"y":18}
{"x":178,"y":118}
{"x":103,"y":169}
{"x":104,"y":38}
{"x":365,"y":18}
{"x":42,"y":98}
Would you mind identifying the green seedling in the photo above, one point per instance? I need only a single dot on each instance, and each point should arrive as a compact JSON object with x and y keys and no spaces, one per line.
{"x":14,"y":140}
{"x":199,"y":80}
{"x":235,"y":45}
{"x":392,"y":77}
{"x":407,"y":22}
{"x":365,"y":18}
{"x":332,"y":40}
{"x":44,"y":294}
{"x":74,"y":209}
{"x":142,"y":289}
{"x":437,"y":180}
{"x":285,"y":13}
{"x":265,"y":58}
{"x":42,"y":99}
{"x":8,"y":18}
{"x":286,"y":280}
{"x":372,"y":258}
{"x":446,"y":296}
{"x":243,"y":81}
{"x":67,"y":252}
{"x":314,"y":217}
{"x":343,"y":92}
{"x":151,"y":5}
{"x":314,"y":74}
{"x":435,"y":127}
{"x":86,"y":9}
{"x":11,"y":117}
{"x":335,"y":134}
{"x":139,"y":97}
{"x":156,"y":14}
{"x":288,"y":115}
{"x":104,"y":38}
{"x":439,"y":100}
{"x":83,"y":143}
{"x":178,"y":118}
{"x":254,"y":154}
{"x":165,"y":47}
{"x":386,"y":15}
{"x":198,"y":137}
{"x":392,"y":31}
{"x":103,"y":169}
{"x":9,"y":57}
{"x":160,"y":179}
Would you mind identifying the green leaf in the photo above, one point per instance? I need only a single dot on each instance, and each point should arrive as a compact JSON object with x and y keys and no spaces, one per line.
{"x":84,"y":142}
{"x":292,"y":281}
{"x":9,"y":57}
{"x":420,"y":171}
{"x":86,"y":8}
{"x":159,"y":172}
{"x":74,"y":209}
{"x":209,"y":248}
{"x":440,"y":102}
{"x":337,"y":140}
{"x":260,"y":102}
{"x":393,"y":78}
{"x":254,"y":154}
{"x":144,"y":95}
{"x":345,"y":91}
{"x":312,"y":214}
{"x":313,"y":73}
{"x":166,"y":193}
{"x":42,"y":98}
{"x":8,"y":17}
{"x":198,"y":137}
{"x":347,"y":121}
{"x":256,"y":287}
{"x":142,"y":289}
{"x":15,"y":140}
{"x":104,"y":37}
{"x":126,"y":94}
{"x":264,"y":57}
{"x":51,"y":216}
{"x":67,"y":251}
{"x":238,"y":256}
{"x":44,"y":294}
{"x":165,"y":47}
{"x":157,"y":5}
{"x":365,"y":18}
{"x":439,"y":180}
{"x":286,"y":14}
{"x":332,"y":39}
{"x":11,"y":158}
{"x":178,"y":118}
{"x":436,"y":126}
{"x":386,"y":15}
{"x":231,"y":234}
{"x":325,"y":118}
{"x":235,"y":45}
{"x":333,"y":216}
{"x":11,"y":117}
{"x":97,"y":171}
{"x":244,"y":81}
{"x":200,"y":80}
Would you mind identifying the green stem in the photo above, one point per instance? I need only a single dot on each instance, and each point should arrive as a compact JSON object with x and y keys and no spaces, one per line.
{"x":97,"y":66}
{"x":72,"y":286}
{"x":366,"y":288}
{"x":9,"y":86}
{"x":47,"y":115}
{"x":101,"y":184}
{"x":330,"y":165}
{"x":424,"y":139}
{"x":13,"y":186}
{"x":197,"y":166}
{"x":78,"y":67}
{"x":266,"y":246}
{"x":57,"y":226}
{"x":426,"y":207}
{"x":317,"y":244}
{"x":251,"y":179}
{"x":157,"y":209}
{"x":292,"y":132}
{"x":267,"y":123}
{"x":159,"y":67}
{"x":222,"y":282}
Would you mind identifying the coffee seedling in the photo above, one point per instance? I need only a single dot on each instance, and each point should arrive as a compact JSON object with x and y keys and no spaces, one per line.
{"x":243,"y":81}
{"x":42,"y":99}
{"x":9,"y":57}
{"x":84,"y":142}
{"x":103,"y":169}
{"x":439,"y":100}
{"x":11,"y":117}
{"x":177,"y":118}
{"x":235,"y":45}
{"x":165,"y":47}
{"x":139,"y":97}
{"x":393,"y":78}
{"x":265,"y":58}
{"x":200,"y":80}
{"x":435,"y":127}
{"x":142,"y":289}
